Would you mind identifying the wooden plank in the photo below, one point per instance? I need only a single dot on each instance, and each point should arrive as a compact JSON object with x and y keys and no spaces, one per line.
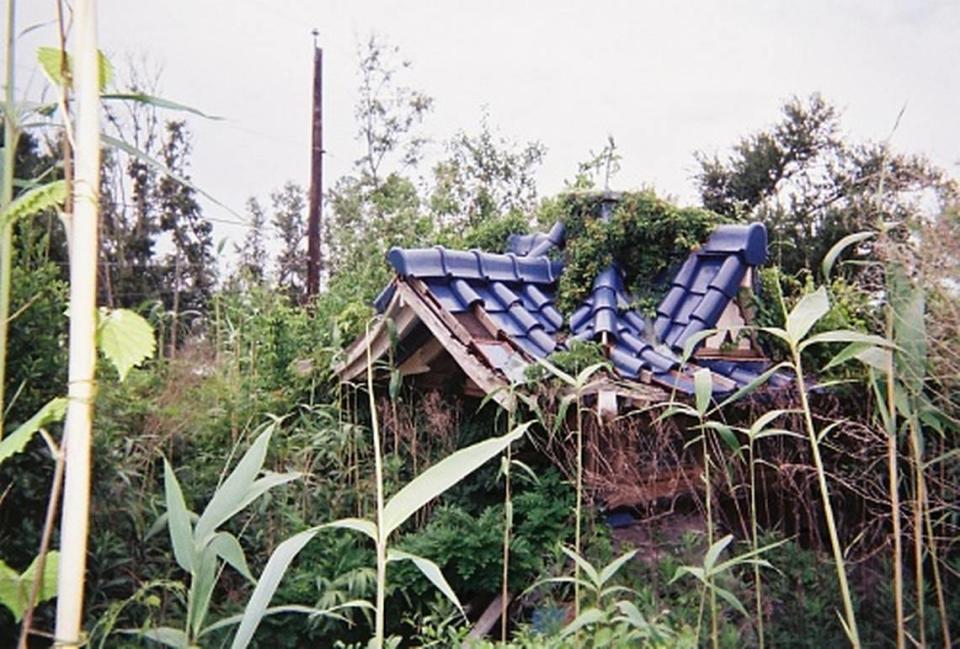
{"x":379,"y":340}
{"x":419,"y":361}
{"x":489,"y":618}
{"x":439,"y":326}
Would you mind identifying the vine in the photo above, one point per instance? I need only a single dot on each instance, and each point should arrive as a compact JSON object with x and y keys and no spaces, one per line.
{"x":645,"y":235}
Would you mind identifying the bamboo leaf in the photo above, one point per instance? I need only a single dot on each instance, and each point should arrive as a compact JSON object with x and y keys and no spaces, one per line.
{"x":270,"y":578}
{"x":730,"y":599}
{"x":431,"y":571}
{"x":713,"y":552}
{"x":166,"y":636}
{"x":331,"y":612}
{"x":703,"y":389}
{"x":157,"y":102}
{"x":752,"y":385}
{"x":227,"y":547}
{"x":585,"y":566}
{"x":845,"y":336}
{"x":691,"y":343}
{"x":586,"y":618}
{"x":233,"y":492}
{"x":611,"y":568}
{"x":441,"y":476}
{"x":178,"y":520}
{"x":806,"y":313}
{"x":35,"y":201}
{"x":831,"y":257}
{"x":51,"y":412}
{"x":357,"y":525}
{"x":125,"y":338}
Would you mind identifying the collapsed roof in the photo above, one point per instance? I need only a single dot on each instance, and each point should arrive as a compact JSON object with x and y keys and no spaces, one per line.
{"x":491,"y":315}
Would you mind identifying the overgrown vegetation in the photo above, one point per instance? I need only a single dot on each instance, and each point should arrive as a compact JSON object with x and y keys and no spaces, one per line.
{"x":232,"y":472}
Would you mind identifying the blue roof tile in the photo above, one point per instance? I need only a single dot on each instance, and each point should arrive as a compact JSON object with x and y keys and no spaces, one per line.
{"x":518,"y":290}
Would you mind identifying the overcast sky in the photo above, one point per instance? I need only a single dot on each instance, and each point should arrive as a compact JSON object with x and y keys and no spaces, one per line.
{"x":666,"y":79}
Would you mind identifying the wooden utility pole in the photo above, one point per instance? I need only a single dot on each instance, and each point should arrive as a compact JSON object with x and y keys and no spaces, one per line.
{"x":314,"y":254}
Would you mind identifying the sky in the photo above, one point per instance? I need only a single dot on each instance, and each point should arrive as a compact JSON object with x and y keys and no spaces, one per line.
{"x":665,"y":79}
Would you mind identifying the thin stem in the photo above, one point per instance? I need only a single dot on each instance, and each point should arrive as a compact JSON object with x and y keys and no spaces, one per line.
{"x":919,"y":498}
{"x":757,"y":584}
{"x":714,"y":629}
{"x":894,"y":488}
{"x":10,"y":137}
{"x":937,"y":582}
{"x":579,"y":506}
{"x":381,"y":537}
{"x":851,"y":620}
{"x":48,"y":524}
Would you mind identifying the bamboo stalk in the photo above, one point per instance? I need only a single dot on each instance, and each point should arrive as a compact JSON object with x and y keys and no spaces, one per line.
{"x":10,"y":137}
{"x":82,"y":353}
{"x":381,"y":537}
{"x":894,"y":487}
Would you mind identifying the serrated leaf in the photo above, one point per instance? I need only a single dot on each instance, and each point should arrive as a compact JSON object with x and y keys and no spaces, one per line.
{"x":15,"y":442}
{"x":15,"y":588}
{"x":35,"y":201}
{"x":125,"y":338}
{"x":53,"y":61}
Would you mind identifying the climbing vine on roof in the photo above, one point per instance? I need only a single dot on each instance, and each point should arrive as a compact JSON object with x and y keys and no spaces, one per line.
{"x":645,"y":235}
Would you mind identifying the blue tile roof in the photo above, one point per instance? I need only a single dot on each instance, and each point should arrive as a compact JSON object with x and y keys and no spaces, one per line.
{"x":517,"y":291}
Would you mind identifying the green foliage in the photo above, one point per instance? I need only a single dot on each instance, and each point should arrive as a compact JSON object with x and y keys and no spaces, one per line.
{"x":640,"y":222}
{"x":125,"y":338}
{"x":15,"y":588}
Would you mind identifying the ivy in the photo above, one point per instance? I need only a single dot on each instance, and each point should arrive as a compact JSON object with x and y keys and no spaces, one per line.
{"x":645,"y":235}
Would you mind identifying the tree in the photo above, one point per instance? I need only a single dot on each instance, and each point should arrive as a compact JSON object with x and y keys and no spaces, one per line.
{"x":377,"y":206}
{"x":190,"y":268}
{"x":484,"y":176}
{"x":252,"y":253}
{"x":811,"y":187}
{"x":288,"y":221}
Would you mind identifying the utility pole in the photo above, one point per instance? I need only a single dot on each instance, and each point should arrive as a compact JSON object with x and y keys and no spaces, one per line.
{"x":314,"y":254}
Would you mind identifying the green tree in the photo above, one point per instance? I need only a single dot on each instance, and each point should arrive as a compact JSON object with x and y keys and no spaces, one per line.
{"x":288,"y":222}
{"x":484,"y":176}
{"x":252,"y":252}
{"x":812,"y":187}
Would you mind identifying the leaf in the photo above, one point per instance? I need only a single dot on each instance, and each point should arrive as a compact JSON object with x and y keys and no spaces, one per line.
{"x":15,"y":588}
{"x":831,"y":257}
{"x":125,"y":338}
{"x":727,"y":435}
{"x":432,"y":572}
{"x":153,"y":163}
{"x":845,"y":336}
{"x":691,"y":343}
{"x":752,"y":385}
{"x":292,"y":608}
{"x":15,"y":442}
{"x":806,"y":313}
{"x":703,"y":388}
{"x":178,"y":520}
{"x":356,"y":524}
{"x":585,"y":566}
{"x":270,"y":578}
{"x":227,"y":547}
{"x":586,"y":618}
{"x":166,"y":636}
{"x":53,"y":60}
{"x":201,"y":588}
{"x":156,"y":102}
{"x":587,"y":373}
{"x":730,"y":599}
{"x":443,"y":475}
{"x":35,"y":201}
{"x":611,"y":568}
{"x":713,"y":552}
{"x":233,"y":492}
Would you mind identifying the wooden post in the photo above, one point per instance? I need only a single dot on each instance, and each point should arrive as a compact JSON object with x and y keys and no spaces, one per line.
{"x":314,"y":254}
